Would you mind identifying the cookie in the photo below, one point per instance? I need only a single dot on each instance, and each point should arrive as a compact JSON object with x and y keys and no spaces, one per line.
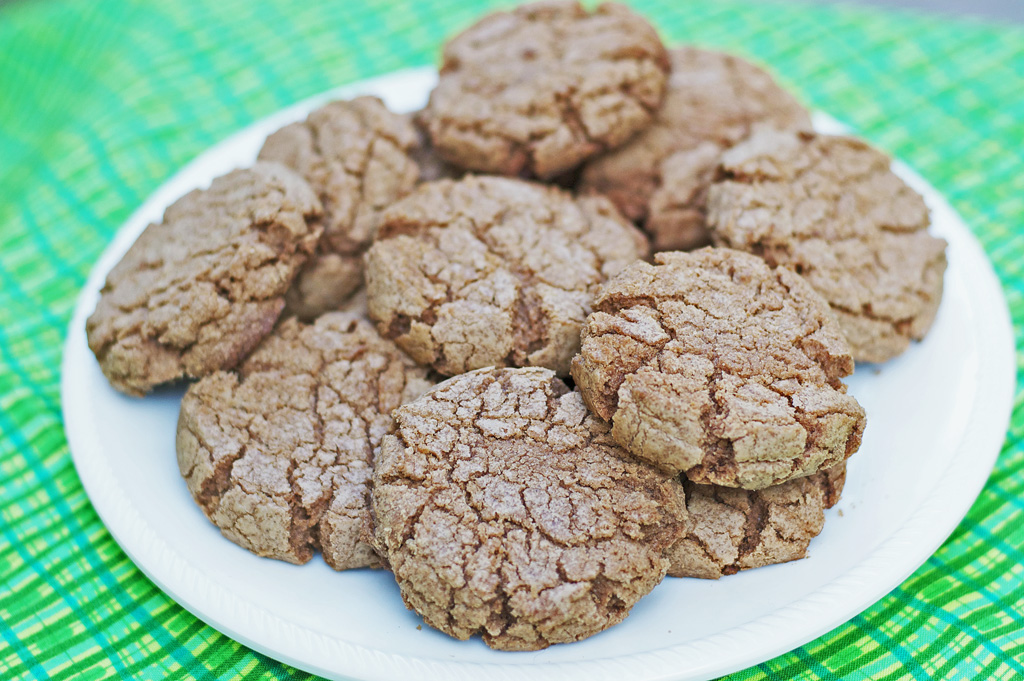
{"x":831,"y":209}
{"x":491,"y":271}
{"x":505,"y":509}
{"x":279,"y":455}
{"x":539,"y":89}
{"x":357,"y":156}
{"x":731,"y":529}
{"x":432,"y":167}
{"x":714,"y":364}
{"x":196,"y":292}
{"x":660,"y":177}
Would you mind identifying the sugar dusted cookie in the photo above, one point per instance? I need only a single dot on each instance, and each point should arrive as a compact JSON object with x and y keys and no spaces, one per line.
{"x":279,"y":455}
{"x":731,"y":529}
{"x":505,"y":509}
{"x":714,"y":364}
{"x":196,"y":292}
{"x":831,"y":209}
{"x":490,"y":271}
{"x":538,"y":89}
{"x":660,"y":177}
{"x":357,"y":156}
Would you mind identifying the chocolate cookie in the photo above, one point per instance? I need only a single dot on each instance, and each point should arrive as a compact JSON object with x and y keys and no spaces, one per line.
{"x":491,"y":271}
{"x":536,"y":90}
{"x":831,"y":209}
{"x":279,"y":456}
{"x":196,"y":292}
{"x":714,"y":364}
{"x":357,"y":156}
{"x":505,"y":509}
{"x":660,"y":177}
{"x":730,"y":529}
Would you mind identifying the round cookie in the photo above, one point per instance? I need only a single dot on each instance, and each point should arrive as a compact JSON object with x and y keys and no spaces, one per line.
{"x":196,"y":292}
{"x":831,"y":209}
{"x":279,"y":456}
{"x":505,"y":509}
{"x":539,"y":89}
{"x":731,"y":529}
{"x":491,"y":271}
{"x":714,"y":364}
{"x":660,"y":177}
{"x":357,"y":156}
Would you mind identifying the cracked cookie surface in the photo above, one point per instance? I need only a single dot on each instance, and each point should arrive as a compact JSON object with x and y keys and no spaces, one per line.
{"x":731,"y":529}
{"x":279,"y":455}
{"x":831,"y":209}
{"x":537,"y":90}
{"x":660,"y":177}
{"x":357,"y":157}
{"x":196,"y":292}
{"x":491,"y":271}
{"x":714,"y":364}
{"x":505,"y":509}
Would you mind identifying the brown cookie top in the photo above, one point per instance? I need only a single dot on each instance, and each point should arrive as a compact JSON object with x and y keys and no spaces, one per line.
{"x":357,"y":156}
{"x":536,"y":90}
{"x":714,"y":364}
{"x":831,"y":209}
{"x":505,"y":509}
{"x":491,"y":271}
{"x":279,"y":456}
{"x":196,"y":292}
{"x":660,"y":177}
{"x":731,"y":529}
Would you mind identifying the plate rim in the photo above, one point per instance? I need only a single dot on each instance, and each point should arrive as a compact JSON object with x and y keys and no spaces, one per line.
{"x":928,"y":527}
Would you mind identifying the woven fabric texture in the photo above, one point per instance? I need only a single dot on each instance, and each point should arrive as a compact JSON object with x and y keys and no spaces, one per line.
{"x":100,"y":102}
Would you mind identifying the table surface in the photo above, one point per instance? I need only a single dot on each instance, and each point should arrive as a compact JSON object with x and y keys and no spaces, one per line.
{"x":102,"y":102}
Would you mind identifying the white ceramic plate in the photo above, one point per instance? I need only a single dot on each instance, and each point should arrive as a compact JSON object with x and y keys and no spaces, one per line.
{"x":936,"y":421}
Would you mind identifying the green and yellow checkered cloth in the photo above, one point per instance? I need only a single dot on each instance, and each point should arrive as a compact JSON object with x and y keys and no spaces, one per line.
{"x":100,"y":102}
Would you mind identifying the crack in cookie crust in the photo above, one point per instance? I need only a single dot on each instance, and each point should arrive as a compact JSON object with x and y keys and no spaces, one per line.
{"x":714,"y":364}
{"x":279,"y":457}
{"x":490,"y":271}
{"x":196,"y":292}
{"x":357,"y":156}
{"x":831,"y":209}
{"x":661,"y":176}
{"x":505,"y":509}
{"x":537,"y":90}
{"x":730,"y":529}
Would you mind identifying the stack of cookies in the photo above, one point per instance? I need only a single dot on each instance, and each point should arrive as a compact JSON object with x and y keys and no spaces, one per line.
{"x":475,"y":345}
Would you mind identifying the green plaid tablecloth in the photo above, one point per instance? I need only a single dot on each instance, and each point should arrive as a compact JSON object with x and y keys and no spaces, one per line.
{"x":100,"y":102}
